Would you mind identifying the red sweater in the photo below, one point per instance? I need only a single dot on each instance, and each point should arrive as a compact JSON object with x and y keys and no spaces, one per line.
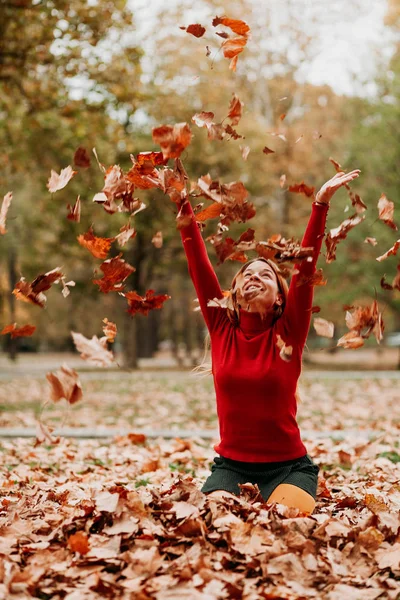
{"x":255,"y":389}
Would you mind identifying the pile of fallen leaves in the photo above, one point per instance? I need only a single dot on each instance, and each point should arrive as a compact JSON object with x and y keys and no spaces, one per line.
{"x":127,"y":520}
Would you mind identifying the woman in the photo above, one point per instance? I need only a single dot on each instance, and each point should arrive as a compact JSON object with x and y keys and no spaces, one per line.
{"x":256,"y":388}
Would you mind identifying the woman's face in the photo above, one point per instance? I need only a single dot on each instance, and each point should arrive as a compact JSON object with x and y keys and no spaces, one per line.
{"x":257,"y":288}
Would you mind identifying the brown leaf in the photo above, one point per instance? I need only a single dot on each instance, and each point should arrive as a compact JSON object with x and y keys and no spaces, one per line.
{"x":94,"y":350}
{"x":386,"y":210}
{"x":82,"y":158}
{"x":126,"y":233}
{"x":267,"y":150}
{"x":245,"y":151}
{"x":316,"y":278}
{"x":44,"y":434}
{"x":302,"y":188}
{"x":74,"y":213}
{"x":79,"y":542}
{"x":109,"y":330}
{"x":235,"y":110}
{"x":336,"y":165}
{"x":65,"y":384}
{"x":370,"y":240}
{"x":351,"y":340}
{"x":356,"y":201}
{"x":157,"y":239}
{"x":285,"y":352}
{"x":340,"y":233}
{"x":97,"y":246}
{"x":233,"y":47}
{"x":58,"y":182}
{"x":33,"y":292}
{"x":196,"y":29}
{"x":24,"y":331}
{"x":5,"y":205}
{"x":143,"y":174}
{"x":142,"y":305}
{"x":323,"y":327}
{"x":391,"y":252}
{"x":116,"y":271}
{"x":226,"y":249}
{"x":172,"y":139}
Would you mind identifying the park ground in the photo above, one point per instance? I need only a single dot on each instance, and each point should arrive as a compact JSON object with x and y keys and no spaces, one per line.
{"x":121,"y":516}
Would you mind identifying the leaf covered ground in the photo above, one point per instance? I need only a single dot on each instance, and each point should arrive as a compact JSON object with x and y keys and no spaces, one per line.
{"x":125,"y":518}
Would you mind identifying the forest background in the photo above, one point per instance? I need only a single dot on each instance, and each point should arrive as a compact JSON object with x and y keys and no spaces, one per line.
{"x":90,"y":74}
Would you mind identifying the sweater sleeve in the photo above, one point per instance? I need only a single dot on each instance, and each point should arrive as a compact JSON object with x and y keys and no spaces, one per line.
{"x":200,"y":268}
{"x":297,"y":314}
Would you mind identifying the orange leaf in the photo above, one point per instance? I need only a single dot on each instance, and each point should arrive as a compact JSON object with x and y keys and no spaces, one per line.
{"x":172,"y":139}
{"x":302,"y":188}
{"x":97,"y":246}
{"x":116,"y":271}
{"x":236,"y":25}
{"x":139,"y":304}
{"x":24,"y":331}
{"x":79,"y":542}
{"x":210,"y":212}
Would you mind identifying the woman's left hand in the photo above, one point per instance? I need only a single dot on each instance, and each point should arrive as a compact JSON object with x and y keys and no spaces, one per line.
{"x":331,"y":186}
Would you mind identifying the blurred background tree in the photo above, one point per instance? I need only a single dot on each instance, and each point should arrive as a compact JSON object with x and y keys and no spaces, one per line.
{"x":80,"y":74}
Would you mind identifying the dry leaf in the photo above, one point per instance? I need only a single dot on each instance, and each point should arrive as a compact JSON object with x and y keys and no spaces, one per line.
{"x":94,"y":350}
{"x":5,"y":205}
{"x":323,"y":327}
{"x":58,"y":182}
{"x":65,"y":384}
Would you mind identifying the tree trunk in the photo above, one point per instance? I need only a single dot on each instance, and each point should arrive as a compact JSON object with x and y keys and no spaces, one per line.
{"x":129,"y":342}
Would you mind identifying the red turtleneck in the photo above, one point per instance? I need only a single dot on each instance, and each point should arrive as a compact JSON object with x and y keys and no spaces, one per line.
{"x":255,"y":388}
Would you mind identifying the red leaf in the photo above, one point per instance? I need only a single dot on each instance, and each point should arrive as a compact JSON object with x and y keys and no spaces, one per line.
{"x":391,"y":252}
{"x":268,"y":151}
{"x":196,"y":29}
{"x":75,"y":211}
{"x":65,"y":384}
{"x":24,"y":331}
{"x":82,"y":158}
{"x":235,"y":110}
{"x":302,"y":188}
{"x":33,"y":292}
{"x":142,"y":305}
{"x":115,"y":270}
{"x":172,"y":139}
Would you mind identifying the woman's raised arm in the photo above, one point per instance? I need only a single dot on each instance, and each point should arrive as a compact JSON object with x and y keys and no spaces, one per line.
{"x":200,"y":268}
{"x":297,"y":313}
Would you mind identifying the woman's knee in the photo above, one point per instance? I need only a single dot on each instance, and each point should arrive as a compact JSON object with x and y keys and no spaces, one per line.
{"x":292,"y":496}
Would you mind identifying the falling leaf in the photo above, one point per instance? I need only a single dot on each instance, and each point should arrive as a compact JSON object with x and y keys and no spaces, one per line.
{"x":370,"y":240}
{"x":302,"y":188}
{"x":299,"y":139}
{"x":316,"y":279}
{"x":157,"y":239}
{"x":323,"y":327}
{"x":235,"y":110}
{"x":94,"y":350}
{"x":127,"y":232}
{"x":195,"y":29}
{"x":351,"y":340}
{"x":116,"y":271}
{"x":5,"y":205}
{"x":97,"y":246}
{"x":33,"y":292}
{"x":74,"y":213}
{"x":282,"y":181}
{"x":109,"y":330}
{"x":142,"y":305}
{"x":281,"y":136}
{"x":357,"y":202}
{"x":101,"y":166}
{"x":386,"y":210}
{"x":395,"y":285}
{"x":268,"y":150}
{"x":336,"y":165}
{"x":315,"y":309}
{"x":44,"y":434}
{"x":208,"y":51}
{"x":24,"y":331}
{"x":58,"y":182}
{"x":245,"y":151}
{"x":226,"y":249}
{"x":210,"y":212}
{"x":172,"y":139}
{"x":340,"y":233}
{"x":391,"y":252}
{"x":144,"y":174}
{"x":66,"y":285}
{"x":237,"y":26}
{"x":82,"y":158}
{"x":282,"y":116}
{"x":285,"y":352}
{"x":65,"y":384}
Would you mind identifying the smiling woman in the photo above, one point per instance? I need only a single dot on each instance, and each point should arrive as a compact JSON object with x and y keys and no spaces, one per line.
{"x":255,"y":385}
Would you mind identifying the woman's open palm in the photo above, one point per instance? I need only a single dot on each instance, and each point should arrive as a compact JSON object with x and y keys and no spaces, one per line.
{"x":330,"y":187}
